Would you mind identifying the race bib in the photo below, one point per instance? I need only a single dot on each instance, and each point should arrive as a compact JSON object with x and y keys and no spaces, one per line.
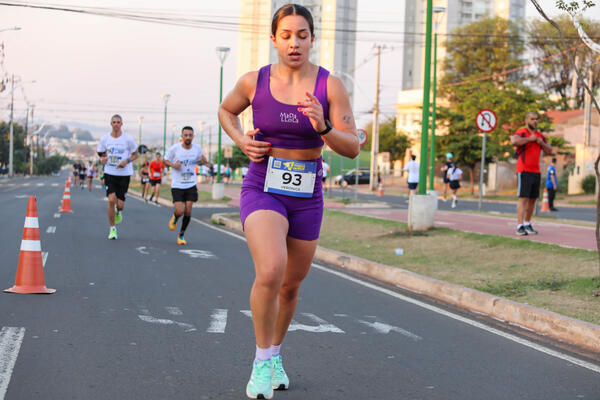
{"x":290,"y":177}
{"x":156,"y":174}
{"x":187,"y":177}
{"x":113,"y":161}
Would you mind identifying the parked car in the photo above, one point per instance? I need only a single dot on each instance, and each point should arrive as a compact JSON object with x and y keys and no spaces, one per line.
{"x":349,"y":178}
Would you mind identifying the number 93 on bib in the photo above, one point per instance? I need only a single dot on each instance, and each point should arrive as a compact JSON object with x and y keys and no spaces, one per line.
{"x":290,"y":177}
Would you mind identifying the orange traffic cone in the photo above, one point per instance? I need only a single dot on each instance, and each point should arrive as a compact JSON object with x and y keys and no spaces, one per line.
{"x":30,"y":271}
{"x":380,"y":190}
{"x":66,"y":200}
{"x":545,"y":204}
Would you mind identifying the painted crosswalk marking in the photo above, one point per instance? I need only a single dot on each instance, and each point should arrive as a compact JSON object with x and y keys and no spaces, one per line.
{"x":323,"y":326}
{"x":218,"y":321}
{"x":10,"y":344}
{"x":160,"y":321}
{"x":51,"y":229}
{"x":44,"y":258}
{"x":384,"y":328}
{"x":57,"y":215}
{"x":174,"y":310}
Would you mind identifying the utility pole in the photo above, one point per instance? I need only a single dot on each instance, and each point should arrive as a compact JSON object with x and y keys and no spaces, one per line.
{"x":31,"y":143}
{"x":426,"y":85}
{"x":27,"y":138}
{"x":375,"y":130}
{"x":209,"y":135}
{"x":11,"y":140}
{"x":573,"y":101}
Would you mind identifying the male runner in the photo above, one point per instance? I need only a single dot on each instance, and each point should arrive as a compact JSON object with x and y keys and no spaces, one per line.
{"x":157,"y":168}
{"x":82,"y":175}
{"x":116,"y":150}
{"x":89,"y":170}
{"x":182,"y":158}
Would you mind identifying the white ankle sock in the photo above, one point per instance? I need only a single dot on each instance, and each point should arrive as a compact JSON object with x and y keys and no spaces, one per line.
{"x":263,"y":354}
{"x":527,"y":223}
{"x":275,"y":350}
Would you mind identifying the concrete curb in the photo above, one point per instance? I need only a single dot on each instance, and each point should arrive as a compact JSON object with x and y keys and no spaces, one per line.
{"x":569,"y":330}
{"x":167,"y":203}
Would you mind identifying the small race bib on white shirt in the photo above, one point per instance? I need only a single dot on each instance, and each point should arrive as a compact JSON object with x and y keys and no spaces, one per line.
{"x":290,"y":177}
{"x":185,"y":176}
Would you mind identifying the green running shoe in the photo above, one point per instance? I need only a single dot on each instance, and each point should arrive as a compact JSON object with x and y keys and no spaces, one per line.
{"x":279,"y":380}
{"x":118,"y":217}
{"x":259,"y":385}
{"x":112,"y":235}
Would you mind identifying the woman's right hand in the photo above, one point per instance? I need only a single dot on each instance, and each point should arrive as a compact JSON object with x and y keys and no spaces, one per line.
{"x":254,"y":149}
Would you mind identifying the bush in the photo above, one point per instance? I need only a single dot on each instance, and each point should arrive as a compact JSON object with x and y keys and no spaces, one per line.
{"x":588,"y":184}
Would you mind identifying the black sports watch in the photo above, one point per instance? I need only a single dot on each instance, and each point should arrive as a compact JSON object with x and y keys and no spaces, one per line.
{"x":328,"y":127}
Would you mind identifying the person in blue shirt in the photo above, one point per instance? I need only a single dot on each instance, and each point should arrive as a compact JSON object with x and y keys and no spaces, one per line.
{"x":551,"y":183}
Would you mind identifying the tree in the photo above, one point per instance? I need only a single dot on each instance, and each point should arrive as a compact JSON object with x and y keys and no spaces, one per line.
{"x":556,"y":72}
{"x":20,"y":151}
{"x":238,"y":159}
{"x":390,"y":140}
{"x":478,"y":58}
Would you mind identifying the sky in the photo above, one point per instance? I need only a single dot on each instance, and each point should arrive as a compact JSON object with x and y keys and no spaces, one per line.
{"x":88,"y":67}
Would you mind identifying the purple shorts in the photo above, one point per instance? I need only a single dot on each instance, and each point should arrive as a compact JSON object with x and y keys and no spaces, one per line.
{"x":303,"y":214}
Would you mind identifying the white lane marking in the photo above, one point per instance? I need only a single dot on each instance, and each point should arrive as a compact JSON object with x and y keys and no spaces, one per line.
{"x":97,"y":186}
{"x":323,"y":326}
{"x":44,"y":258}
{"x":31,"y":222}
{"x":384,"y":328}
{"x":54,"y":185}
{"x":21,"y":196}
{"x":218,"y":321}
{"x":25,"y":184}
{"x":159,"y":321}
{"x":51,"y":229}
{"x":10,"y":344}
{"x":198,"y":253}
{"x":41,"y":184}
{"x":142,"y":250}
{"x":514,"y":338}
{"x":174,"y":310}
{"x":57,"y":215}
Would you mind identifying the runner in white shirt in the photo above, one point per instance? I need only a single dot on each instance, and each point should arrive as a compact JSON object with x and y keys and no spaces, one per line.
{"x":116,"y":150}
{"x":89,"y":171}
{"x":454,"y":175}
{"x":413,"y":174}
{"x":182,"y":158}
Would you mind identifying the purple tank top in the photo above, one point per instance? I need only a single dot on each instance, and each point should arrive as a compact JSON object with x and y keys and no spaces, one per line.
{"x":282,"y":124}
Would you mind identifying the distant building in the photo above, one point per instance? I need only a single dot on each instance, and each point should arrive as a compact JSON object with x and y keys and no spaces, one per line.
{"x":334,"y":47}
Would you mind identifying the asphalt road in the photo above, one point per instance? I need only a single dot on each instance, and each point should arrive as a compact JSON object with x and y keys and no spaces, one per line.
{"x":574,"y":213}
{"x":141,"y":318}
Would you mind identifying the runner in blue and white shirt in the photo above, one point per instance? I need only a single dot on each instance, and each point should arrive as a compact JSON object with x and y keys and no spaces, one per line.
{"x":183,"y":158}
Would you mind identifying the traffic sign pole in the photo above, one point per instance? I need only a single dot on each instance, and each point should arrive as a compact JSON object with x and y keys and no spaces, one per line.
{"x":486,"y":121}
{"x":362,"y":139}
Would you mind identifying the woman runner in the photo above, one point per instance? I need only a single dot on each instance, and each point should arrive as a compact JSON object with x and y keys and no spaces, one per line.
{"x":145,"y":179}
{"x":281,"y":207}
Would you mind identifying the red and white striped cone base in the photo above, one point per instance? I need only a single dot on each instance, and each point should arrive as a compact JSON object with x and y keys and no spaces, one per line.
{"x":66,"y":200}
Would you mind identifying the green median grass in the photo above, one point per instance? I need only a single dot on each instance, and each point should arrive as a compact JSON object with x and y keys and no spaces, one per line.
{"x":559,"y":279}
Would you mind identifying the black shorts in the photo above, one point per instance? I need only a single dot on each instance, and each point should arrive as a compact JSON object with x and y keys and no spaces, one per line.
{"x":154,"y":182}
{"x":117,"y":185}
{"x":446,"y":180}
{"x":82,"y":176}
{"x":454,"y":185}
{"x":529,"y":184}
{"x":412,"y":185}
{"x":183,"y":195}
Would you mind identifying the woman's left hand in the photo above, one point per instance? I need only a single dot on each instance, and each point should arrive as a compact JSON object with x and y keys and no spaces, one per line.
{"x":314,"y":111}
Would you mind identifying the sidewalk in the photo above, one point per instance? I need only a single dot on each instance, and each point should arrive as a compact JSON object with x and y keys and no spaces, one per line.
{"x":566,"y":235}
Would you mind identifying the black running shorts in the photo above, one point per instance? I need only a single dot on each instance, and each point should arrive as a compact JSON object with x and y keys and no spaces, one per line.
{"x":529,"y":184}
{"x":154,"y":182}
{"x":183,"y":195}
{"x":117,"y":185}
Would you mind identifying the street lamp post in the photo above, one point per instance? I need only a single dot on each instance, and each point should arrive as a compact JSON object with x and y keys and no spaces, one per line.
{"x":438,"y":13}
{"x":166,"y":99}
{"x":200,"y":127}
{"x":14,"y":28}
{"x":11,"y":140}
{"x":426,"y":86}
{"x":218,"y":189}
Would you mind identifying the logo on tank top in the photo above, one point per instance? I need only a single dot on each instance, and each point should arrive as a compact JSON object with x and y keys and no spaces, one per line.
{"x":289,"y":118}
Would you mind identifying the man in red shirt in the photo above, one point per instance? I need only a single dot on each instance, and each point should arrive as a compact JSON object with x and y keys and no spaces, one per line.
{"x":156,"y":172}
{"x":529,"y":143}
